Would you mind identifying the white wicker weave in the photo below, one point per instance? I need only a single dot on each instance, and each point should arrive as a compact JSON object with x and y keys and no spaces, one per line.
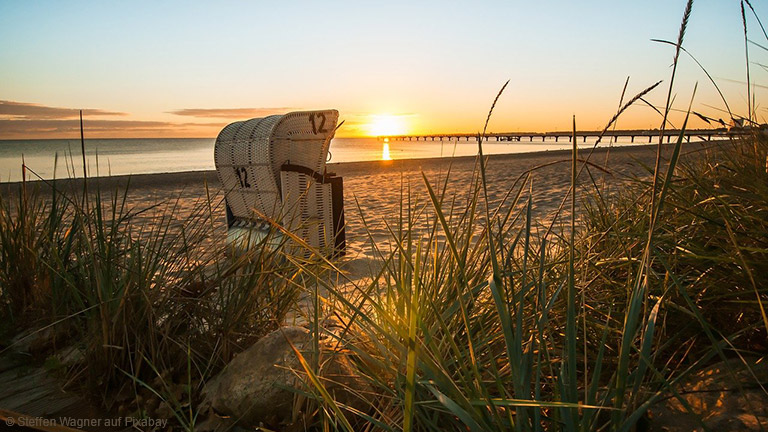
{"x":249,"y":156}
{"x":308,"y":209}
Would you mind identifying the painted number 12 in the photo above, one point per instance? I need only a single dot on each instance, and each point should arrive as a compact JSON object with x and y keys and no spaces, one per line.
{"x":242,"y":177}
{"x":313,"y":118}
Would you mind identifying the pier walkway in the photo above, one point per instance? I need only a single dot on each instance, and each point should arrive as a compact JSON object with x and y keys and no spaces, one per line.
{"x":669,"y":134}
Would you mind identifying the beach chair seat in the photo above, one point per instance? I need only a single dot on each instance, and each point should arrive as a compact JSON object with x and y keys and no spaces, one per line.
{"x":273,"y":168}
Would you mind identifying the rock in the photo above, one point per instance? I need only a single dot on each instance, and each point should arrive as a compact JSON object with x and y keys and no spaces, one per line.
{"x":254,"y":387}
{"x":716,"y":400}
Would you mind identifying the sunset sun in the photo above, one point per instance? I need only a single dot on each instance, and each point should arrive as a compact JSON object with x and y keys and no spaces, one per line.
{"x":386,"y":125}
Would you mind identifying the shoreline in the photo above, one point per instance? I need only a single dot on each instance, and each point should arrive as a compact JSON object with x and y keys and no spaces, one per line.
{"x":171,"y":178}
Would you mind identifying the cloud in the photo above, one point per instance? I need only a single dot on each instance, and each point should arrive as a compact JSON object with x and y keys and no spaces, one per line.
{"x":230,"y":113}
{"x":19,"y":120}
{"x":54,"y":128}
{"x":27,"y":111}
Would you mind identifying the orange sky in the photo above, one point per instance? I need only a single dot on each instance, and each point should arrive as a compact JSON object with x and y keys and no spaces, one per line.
{"x":175,"y":69}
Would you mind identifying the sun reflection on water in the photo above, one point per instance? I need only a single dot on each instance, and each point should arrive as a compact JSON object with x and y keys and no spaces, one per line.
{"x":385,"y":150}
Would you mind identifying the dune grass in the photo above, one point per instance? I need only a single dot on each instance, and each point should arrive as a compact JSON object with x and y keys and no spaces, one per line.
{"x":504,"y":327}
{"x":154,"y":307}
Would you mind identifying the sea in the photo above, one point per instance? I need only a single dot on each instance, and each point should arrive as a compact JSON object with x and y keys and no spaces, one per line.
{"x":61,"y":158}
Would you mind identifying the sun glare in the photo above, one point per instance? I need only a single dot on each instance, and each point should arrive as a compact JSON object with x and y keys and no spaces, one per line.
{"x":386,"y":125}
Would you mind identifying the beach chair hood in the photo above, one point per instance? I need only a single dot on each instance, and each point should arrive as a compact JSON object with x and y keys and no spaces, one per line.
{"x":249,"y":155}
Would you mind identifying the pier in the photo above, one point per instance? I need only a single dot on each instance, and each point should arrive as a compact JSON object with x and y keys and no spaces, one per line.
{"x":639,"y":134}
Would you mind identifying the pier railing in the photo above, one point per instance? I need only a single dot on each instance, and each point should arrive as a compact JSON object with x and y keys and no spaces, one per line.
{"x":701,"y":134}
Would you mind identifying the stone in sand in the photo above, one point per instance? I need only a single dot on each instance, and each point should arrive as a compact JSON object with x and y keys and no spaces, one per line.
{"x":252,"y":388}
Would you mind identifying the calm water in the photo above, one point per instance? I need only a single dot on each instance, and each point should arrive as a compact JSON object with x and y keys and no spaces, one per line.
{"x":141,"y":156}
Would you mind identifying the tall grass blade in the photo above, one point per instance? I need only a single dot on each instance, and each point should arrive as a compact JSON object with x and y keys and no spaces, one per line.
{"x":413,"y":317}
{"x":706,"y":72}
{"x":326,"y":397}
{"x":750,"y":113}
{"x":454,"y":408}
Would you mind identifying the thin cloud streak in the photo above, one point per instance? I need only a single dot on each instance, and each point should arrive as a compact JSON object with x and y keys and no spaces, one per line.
{"x":28,"y":111}
{"x":230,"y":113}
{"x":24,"y":129}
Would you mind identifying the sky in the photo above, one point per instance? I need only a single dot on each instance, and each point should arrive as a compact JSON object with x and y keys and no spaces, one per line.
{"x":188,"y":68}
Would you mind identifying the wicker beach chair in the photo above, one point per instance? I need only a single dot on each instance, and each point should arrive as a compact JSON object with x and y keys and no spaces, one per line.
{"x":273,"y":168}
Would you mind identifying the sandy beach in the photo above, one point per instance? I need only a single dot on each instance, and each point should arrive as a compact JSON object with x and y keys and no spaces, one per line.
{"x":374,"y":190}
